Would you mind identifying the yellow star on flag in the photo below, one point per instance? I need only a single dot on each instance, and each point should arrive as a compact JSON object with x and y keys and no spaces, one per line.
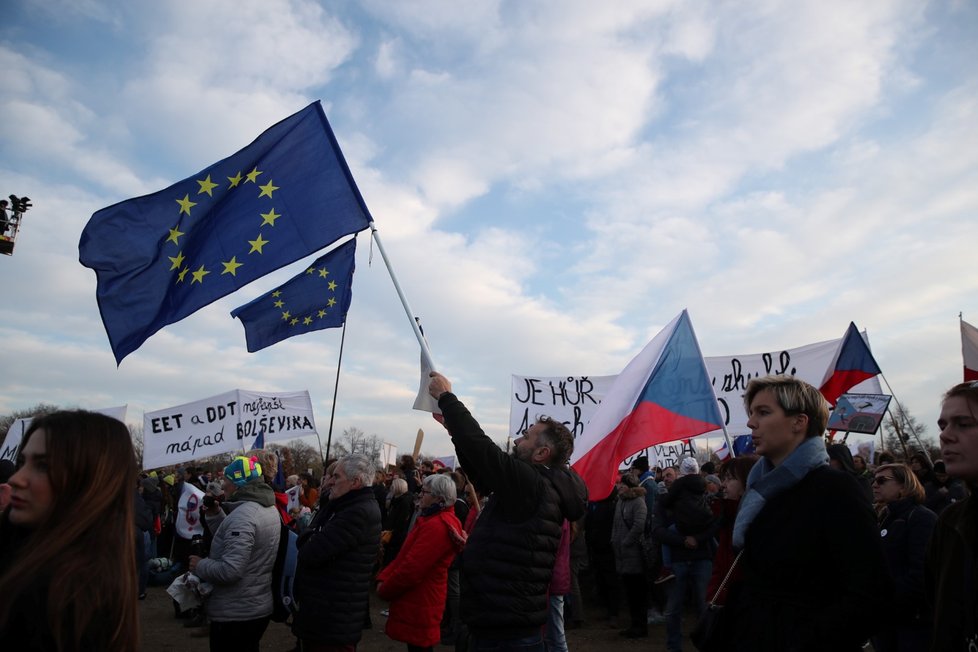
{"x":253,"y":175}
{"x":293,"y":322}
{"x":256,"y":245}
{"x":307,"y":321}
{"x":331,"y":302}
{"x":321,"y":314}
{"x":277,"y":293}
{"x":186,"y":204}
{"x":270,"y":217}
{"x":177,"y":261}
{"x":183,"y":272}
{"x":174,"y":235}
{"x":323,"y":273}
{"x":199,"y":275}
{"x":279,"y":303}
{"x":267,"y":189}
{"x":235,"y":180}
{"x":206,"y":186}
{"x":332,"y":285}
{"x":286,"y":315}
{"x":231,"y":267}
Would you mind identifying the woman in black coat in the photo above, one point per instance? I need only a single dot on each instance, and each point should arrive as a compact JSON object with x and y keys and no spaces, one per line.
{"x":814,"y":573}
{"x":905,"y":529}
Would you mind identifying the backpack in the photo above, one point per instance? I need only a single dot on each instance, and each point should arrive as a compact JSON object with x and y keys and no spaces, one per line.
{"x":283,"y":575}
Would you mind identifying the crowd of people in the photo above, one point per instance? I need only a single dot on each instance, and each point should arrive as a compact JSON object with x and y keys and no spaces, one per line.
{"x":805,"y":545}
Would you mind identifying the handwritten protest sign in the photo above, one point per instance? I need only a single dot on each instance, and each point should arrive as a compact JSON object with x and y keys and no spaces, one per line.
{"x":573,"y":399}
{"x":663,"y":455}
{"x":15,"y":435}
{"x":568,"y":399}
{"x":730,"y":376}
{"x":224,"y":423}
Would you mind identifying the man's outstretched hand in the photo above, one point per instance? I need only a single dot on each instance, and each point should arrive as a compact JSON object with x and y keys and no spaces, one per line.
{"x":438,"y":385}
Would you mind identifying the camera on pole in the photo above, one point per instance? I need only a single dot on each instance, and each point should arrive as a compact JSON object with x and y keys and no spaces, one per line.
{"x":11,"y":214}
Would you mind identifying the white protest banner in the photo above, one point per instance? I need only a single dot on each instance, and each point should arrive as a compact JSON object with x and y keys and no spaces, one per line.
{"x":388,"y":455}
{"x":663,"y":455}
{"x":731,"y":374}
{"x":224,"y":423}
{"x":573,"y":399}
{"x":15,"y":435}
{"x":568,"y":399}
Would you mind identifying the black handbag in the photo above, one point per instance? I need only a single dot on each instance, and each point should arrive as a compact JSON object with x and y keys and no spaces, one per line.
{"x":712,"y":629}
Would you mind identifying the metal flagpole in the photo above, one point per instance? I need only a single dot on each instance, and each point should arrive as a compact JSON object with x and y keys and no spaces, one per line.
{"x":913,"y":430}
{"x":425,"y":352}
{"x":332,"y":412}
{"x":726,"y":438}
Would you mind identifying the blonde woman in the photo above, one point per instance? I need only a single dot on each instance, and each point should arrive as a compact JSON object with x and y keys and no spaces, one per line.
{"x":814,"y":573}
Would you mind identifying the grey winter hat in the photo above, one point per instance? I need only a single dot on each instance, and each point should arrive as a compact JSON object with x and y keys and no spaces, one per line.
{"x":688,"y":466}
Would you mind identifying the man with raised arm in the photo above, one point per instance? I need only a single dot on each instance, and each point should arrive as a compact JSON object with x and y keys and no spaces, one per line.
{"x":509,"y":558}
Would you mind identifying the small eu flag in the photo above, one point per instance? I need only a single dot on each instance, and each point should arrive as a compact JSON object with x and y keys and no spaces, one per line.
{"x":162,"y":257}
{"x":317,"y":298}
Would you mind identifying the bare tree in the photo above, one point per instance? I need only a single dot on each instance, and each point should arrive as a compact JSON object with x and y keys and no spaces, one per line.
{"x":136,"y":434}
{"x":40,"y":409}
{"x":356,"y":441}
{"x":904,"y":434}
{"x":298,"y":456}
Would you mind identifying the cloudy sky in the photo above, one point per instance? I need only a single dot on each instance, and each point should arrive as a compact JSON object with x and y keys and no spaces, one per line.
{"x":553,"y":181}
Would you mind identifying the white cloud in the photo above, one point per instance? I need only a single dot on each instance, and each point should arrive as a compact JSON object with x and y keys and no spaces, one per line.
{"x":552,"y":181}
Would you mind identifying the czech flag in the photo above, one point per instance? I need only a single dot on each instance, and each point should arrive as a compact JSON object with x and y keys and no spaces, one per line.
{"x":853,"y":363}
{"x":969,"y":350}
{"x":664,"y":394}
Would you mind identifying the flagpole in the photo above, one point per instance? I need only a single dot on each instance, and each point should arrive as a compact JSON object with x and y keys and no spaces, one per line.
{"x":332,"y":412}
{"x":903,"y":413}
{"x":425,"y":352}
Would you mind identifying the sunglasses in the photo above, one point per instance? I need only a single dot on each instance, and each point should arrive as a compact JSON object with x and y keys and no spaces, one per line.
{"x":881,"y":480}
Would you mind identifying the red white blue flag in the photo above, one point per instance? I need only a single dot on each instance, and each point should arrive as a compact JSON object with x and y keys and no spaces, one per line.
{"x":853,"y":363}
{"x":664,"y":394}
{"x":969,"y":350}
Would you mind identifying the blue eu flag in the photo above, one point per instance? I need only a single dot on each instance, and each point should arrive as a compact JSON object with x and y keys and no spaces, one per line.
{"x":317,"y":298}
{"x":162,"y":257}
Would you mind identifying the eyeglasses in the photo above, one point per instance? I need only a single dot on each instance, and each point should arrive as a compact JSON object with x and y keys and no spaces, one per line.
{"x":881,"y":480}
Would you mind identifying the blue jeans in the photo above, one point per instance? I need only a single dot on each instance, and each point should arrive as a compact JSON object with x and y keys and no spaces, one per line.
{"x":532,"y":643}
{"x":692,"y":574}
{"x":553,"y":635}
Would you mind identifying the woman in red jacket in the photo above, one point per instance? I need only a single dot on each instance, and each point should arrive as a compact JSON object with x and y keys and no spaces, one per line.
{"x":415,"y":583}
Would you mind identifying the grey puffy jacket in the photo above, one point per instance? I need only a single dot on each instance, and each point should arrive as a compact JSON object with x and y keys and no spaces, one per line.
{"x":242,"y":555}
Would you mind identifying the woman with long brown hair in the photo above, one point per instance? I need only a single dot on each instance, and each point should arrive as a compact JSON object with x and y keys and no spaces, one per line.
{"x":67,"y":539}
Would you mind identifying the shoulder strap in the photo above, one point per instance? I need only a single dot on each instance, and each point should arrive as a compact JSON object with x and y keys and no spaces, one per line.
{"x":726,"y":577}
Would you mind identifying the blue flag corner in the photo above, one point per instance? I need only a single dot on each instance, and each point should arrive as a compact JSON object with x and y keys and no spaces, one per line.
{"x":317,"y":298}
